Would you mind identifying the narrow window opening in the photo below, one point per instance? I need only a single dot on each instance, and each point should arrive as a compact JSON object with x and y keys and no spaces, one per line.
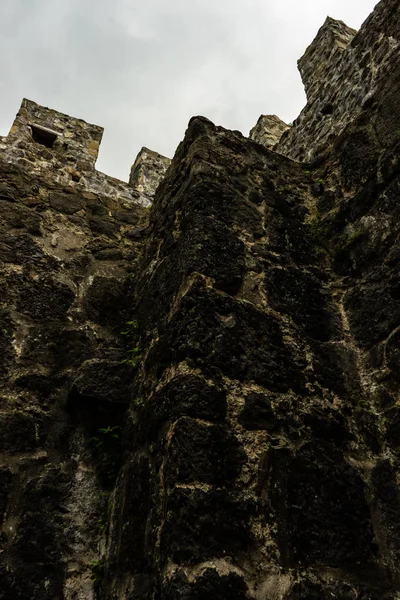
{"x":45,"y":137}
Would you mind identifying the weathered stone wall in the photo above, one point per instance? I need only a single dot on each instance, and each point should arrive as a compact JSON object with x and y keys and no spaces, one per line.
{"x":147,"y":172}
{"x":342,"y":74}
{"x":228,"y":382}
{"x":321,"y":59}
{"x":207,"y":406}
{"x":66,"y":265}
{"x":257,"y":462}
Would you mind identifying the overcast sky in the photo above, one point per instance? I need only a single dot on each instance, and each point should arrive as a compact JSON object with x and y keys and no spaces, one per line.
{"x":141,"y":69}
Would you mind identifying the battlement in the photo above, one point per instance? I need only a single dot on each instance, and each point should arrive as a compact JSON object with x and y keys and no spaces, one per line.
{"x":64,"y":139}
{"x":64,"y":149}
{"x":268,"y":130}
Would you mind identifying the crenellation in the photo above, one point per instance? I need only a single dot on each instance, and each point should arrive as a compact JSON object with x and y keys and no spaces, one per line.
{"x":268,"y":130}
{"x":64,"y":149}
{"x":72,"y":141}
{"x":148,"y":171}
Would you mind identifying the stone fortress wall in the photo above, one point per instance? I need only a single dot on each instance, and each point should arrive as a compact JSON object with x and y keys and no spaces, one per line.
{"x":201,"y":400}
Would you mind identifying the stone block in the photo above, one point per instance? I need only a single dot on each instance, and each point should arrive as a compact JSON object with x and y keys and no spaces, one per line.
{"x":201,"y":525}
{"x":200,"y":453}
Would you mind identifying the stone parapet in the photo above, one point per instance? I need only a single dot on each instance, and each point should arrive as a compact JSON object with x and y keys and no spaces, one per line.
{"x":268,"y":130}
{"x":147,"y":172}
{"x":64,"y":149}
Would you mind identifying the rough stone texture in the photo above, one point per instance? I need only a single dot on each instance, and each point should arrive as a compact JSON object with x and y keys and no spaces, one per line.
{"x":202,"y":400}
{"x":321,"y":57}
{"x":147,"y":172}
{"x":64,"y":150}
{"x":278,"y":494}
{"x":66,"y":262}
{"x":342,"y":74}
{"x":268,"y":130}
